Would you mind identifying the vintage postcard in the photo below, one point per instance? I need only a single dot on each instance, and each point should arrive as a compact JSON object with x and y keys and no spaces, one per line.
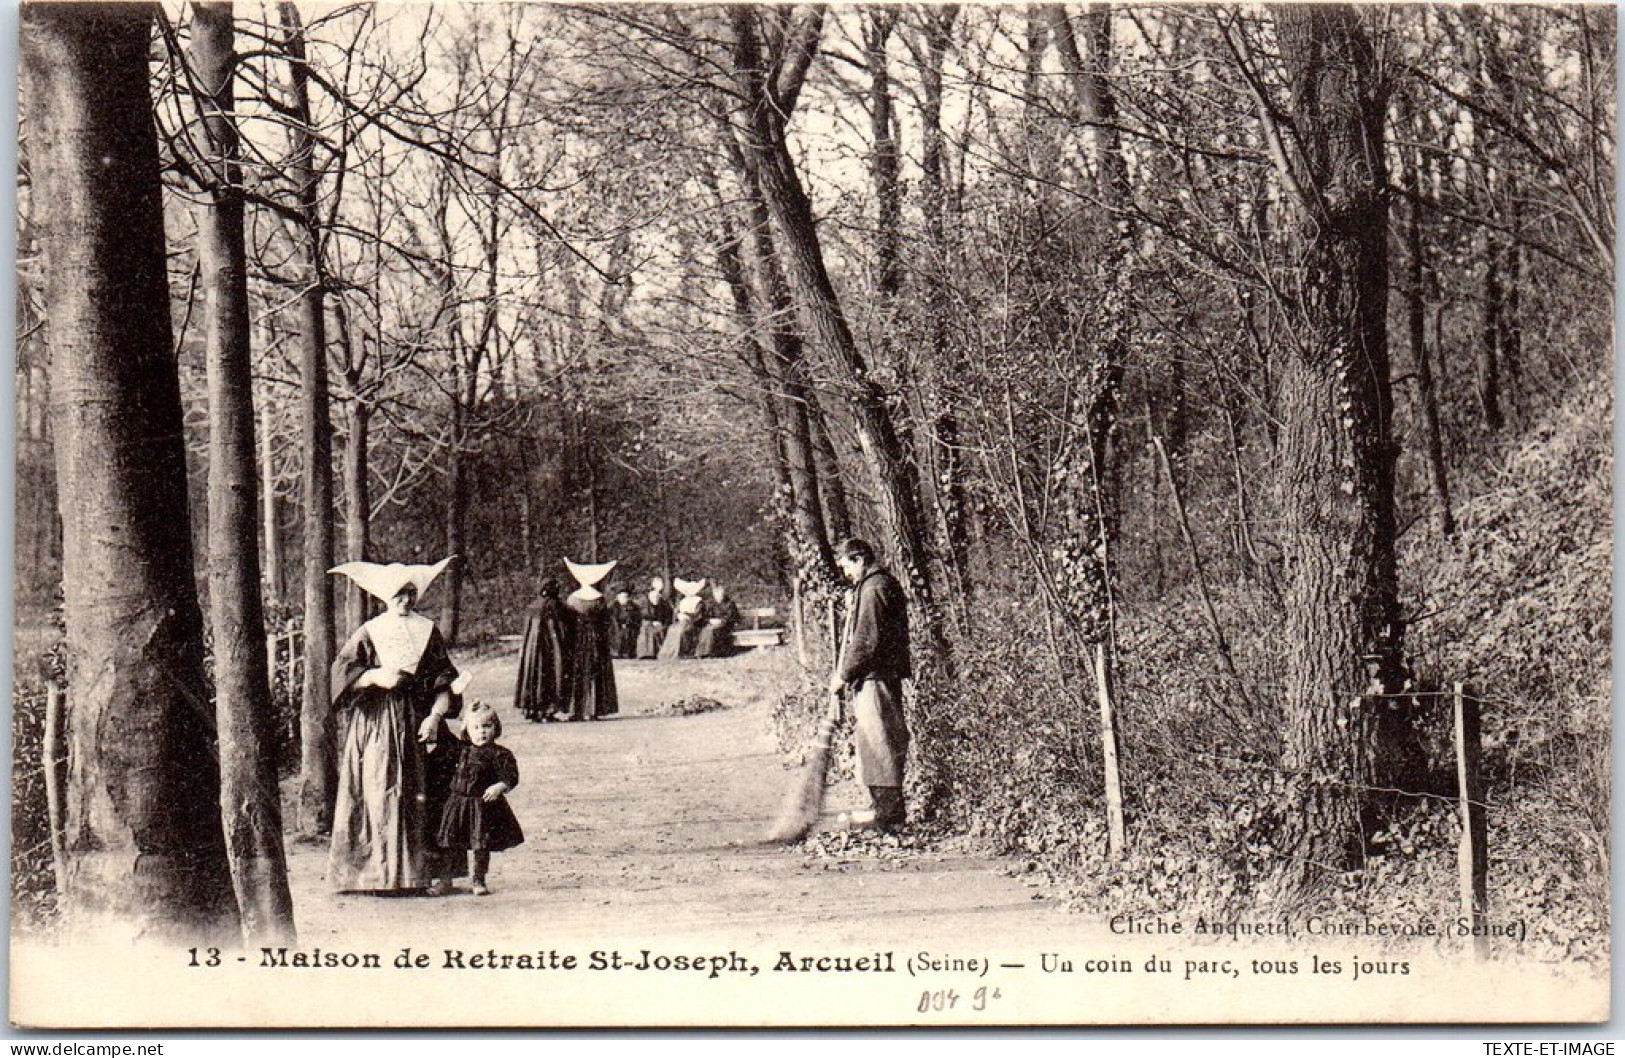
{"x":988,"y":514}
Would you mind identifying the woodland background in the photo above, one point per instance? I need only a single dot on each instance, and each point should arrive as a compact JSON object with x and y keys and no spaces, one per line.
{"x":1201,"y":369}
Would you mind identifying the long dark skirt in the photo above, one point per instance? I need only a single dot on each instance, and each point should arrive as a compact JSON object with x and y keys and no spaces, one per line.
{"x":680,"y":639}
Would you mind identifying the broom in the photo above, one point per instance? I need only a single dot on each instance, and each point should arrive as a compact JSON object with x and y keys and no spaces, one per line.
{"x":804,"y":800}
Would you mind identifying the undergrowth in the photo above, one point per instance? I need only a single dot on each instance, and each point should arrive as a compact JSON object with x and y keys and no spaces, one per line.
{"x":1516,"y":605}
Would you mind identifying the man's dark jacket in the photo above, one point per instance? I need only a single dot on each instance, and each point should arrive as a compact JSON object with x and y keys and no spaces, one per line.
{"x":876,"y":631}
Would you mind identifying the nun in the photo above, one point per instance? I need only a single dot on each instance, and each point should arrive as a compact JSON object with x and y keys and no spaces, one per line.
{"x":656,"y":616}
{"x":590,"y":683}
{"x":681,"y":636}
{"x":716,"y":638}
{"x":392,"y":689}
{"x":539,"y":692}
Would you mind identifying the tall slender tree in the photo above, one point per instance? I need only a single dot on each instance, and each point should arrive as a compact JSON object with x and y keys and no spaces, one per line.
{"x":787,"y":362}
{"x":941,"y":461}
{"x":318,"y":773}
{"x":1416,"y":327}
{"x":768,"y":86}
{"x":250,"y":801}
{"x":1098,"y":504}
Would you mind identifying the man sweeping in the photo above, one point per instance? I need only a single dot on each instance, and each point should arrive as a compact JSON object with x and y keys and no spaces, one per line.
{"x":874,"y":663}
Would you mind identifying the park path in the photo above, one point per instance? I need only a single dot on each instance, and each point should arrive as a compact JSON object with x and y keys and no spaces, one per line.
{"x":648,"y":825}
{"x":643,"y":839}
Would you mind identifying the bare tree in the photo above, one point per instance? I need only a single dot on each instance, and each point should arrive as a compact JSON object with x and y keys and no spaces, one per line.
{"x":766,"y":86}
{"x":250,"y":801}
{"x":318,"y":775}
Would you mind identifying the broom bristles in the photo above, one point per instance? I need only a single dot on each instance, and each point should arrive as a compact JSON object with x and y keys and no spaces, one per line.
{"x":804,"y":801}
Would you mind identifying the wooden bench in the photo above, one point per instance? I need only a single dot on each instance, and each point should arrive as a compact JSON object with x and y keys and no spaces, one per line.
{"x":765,"y":629}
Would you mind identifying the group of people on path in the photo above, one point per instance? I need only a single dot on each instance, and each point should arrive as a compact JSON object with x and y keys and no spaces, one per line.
{"x":419,"y":807}
{"x":700,"y":625}
{"x":566,"y":669}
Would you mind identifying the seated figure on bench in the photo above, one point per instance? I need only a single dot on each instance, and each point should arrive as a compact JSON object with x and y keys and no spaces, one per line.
{"x":626,"y":621}
{"x":721,"y":618}
{"x":685,"y":630}
{"x":656,"y":616}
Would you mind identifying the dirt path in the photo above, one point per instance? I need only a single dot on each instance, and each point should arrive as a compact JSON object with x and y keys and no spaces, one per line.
{"x":643,"y":841}
{"x":648,"y":825}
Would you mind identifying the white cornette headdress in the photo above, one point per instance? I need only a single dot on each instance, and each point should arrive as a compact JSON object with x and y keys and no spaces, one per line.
{"x":689,"y":587}
{"x":589,"y":577}
{"x":383,"y":581}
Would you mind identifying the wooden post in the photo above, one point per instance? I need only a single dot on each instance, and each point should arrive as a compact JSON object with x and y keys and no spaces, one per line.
{"x":270,"y":661}
{"x":295,"y":655}
{"x":1472,"y":859}
{"x":268,"y":509}
{"x":799,"y":617}
{"x":834,"y":629}
{"x":56,"y":785}
{"x":1116,"y":832}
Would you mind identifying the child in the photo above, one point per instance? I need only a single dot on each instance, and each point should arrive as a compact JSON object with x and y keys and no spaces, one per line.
{"x":477,"y":816}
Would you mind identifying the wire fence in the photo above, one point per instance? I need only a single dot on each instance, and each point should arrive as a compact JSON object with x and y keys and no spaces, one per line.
{"x":1467,"y":799}
{"x":284,"y":657}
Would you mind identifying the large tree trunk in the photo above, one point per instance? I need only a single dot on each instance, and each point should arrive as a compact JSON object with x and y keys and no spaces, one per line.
{"x":318,"y":776}
{"x":885,"y":158}
{"x":250,"y":801}
{"x":1336,"y":475}
{"x":831,"y":487}
{"x":1097,"y":107}
{"x":768,"y":408}
{"x":768,"y":383}
{"x":145,"y":845}
{"x":896,"y":494}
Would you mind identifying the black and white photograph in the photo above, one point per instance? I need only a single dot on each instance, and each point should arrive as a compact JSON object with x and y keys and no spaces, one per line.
{"x":627,"y":515}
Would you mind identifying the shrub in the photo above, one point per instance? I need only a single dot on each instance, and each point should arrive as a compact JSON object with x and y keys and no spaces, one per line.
{"x":1517,"y":604}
